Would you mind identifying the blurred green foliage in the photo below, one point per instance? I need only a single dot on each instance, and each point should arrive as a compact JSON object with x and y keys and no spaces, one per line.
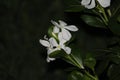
{"x":99,"y":38}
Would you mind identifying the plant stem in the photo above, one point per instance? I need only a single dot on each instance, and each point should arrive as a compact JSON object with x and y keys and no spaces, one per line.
{"x":104,"y":14}
{"x":89,"y":75}
{"x":74,"y":62}
{"x":116,"y":10}
{"x":109,"y":12}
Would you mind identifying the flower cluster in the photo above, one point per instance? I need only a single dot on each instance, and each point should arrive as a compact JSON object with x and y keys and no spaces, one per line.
{"x":91,"y":3}
{"x":61,"y":31}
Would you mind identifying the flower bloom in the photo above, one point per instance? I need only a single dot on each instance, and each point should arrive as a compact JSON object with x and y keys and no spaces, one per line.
{"x":64,"y":29}
{"x":91,"y":3}
{"x":52,"y":45}
{"x":47,"y":44}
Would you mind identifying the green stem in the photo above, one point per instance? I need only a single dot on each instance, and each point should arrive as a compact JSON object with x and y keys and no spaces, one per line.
{"x":70,"y":59}
{"x":104,"y":14}
{"x":74,"y":61}
{"x":93,"y":77}
{"x":109,"y":12}
{"x":80,"y":66}
{"x":101,"y":16}
{"x":103,"y":19}
{"x":116,"y":10}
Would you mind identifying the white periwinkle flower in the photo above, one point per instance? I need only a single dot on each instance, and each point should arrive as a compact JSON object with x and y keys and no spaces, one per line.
{"x":88,"y":3}
{"x":49,"y":47}
{"x":64,"y":29}
{"x":91,"y":3}
{"x":52,"y":45}
{"x":104,"y":3}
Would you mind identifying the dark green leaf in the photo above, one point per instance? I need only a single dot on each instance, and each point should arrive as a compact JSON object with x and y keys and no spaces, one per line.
{"x":76,"y":56}
{"x":115,"y":7}
{"x":76,"y":75}
{"x":114,"y":25}
{"x":115,"y":58}
{"x":101,"y":67}
{"x":71,"y":2}
{"x":115,"y":55}
{"x":114,"y":72}
{"x":50,"y":30}
{"x":90,"y":61}
{"x":118,"y":18}
{"x":56,"y":54}
{"x":93,"y":21}
{"x":74,"y":8}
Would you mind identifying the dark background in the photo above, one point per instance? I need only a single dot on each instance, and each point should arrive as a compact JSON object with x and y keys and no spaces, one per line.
{"x":22,"y":24}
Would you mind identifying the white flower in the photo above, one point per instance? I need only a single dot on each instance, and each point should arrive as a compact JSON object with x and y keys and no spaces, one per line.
{"x":91,"y":3}
{"x":52,"y":45}
{"x":63,"y":28}
{"x":88,"y":3}
{"x":104,"y":3}
{"x":49,"y":47}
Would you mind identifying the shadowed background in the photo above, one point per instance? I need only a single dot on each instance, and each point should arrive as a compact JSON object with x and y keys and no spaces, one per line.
{"x":22,"y":24}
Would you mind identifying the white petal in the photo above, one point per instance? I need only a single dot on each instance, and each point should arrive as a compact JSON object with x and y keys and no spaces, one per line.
{"x":91,"y":5}
{"x":104,"y":3}
{"x":50,"y":59}
{"x":71,"y":28}
{"x":49,"y":50}
{"x":66,"y":34}
{"x":56,"y":29}
{"x":62,"y":23}
{"x":53,"y":42}
{"x":44,"y":43}
{"x":61,"y":39}
{"x":55,"y":23}
{"x":67,"y":50}
{"x":85,"y":2}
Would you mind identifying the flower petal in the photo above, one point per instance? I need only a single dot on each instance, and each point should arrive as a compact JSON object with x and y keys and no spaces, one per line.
{"x":56,"y":29}
{"x":71,"y":28}
{"x":91,"y":5}
{"x":55,"y":23}
{"x":53,"y":42}
{"x":104,"y":3}
{"x":62,"y":23}
{"x":61,"y":39}
{"x":50,"y":59}
{"x":66,"y":34}
{"x":85,"y":2}
{"x":44,"y":43}
{"x":67,"y":50}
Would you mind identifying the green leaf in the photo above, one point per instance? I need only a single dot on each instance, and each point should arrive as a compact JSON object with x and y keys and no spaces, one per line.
{"x":93,"y":21}
{"x":76,"y":75}
{"x":115,"y":7}
{"x":70,"y":2}
{"x":50,"y":30}
{"x":90,"y":61}
{"x":56,"y":54}
{"x":115,"y":58}
{"x":74,"y":8}
{"x":114,"y":72}
{"x":114,"y":25}
{"x":101,"y":66}
{"x":76,"y":57}
{"x":115,"y":55}
{"x":118,"y":18}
